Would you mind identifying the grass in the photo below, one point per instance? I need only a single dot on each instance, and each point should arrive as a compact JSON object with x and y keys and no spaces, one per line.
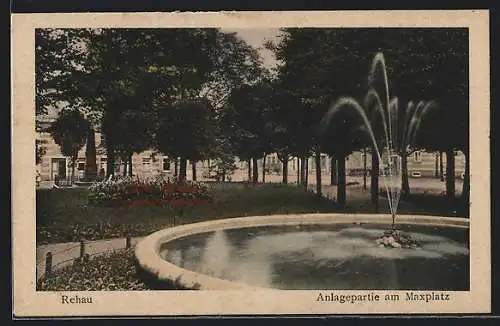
{"x":439,"y":205}
{"x":69,"y":206}
{"x":64,"y":215}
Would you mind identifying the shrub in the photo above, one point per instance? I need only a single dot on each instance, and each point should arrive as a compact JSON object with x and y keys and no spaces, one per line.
{"x":112,"y":271}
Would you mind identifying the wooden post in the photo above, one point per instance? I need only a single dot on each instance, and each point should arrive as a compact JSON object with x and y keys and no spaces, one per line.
{"x":82,"y":249}
{"x":128,"y":242}
{"x":48,"y":263}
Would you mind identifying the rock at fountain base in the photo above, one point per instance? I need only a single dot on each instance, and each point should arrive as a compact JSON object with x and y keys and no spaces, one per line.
{"x":397,"y":239}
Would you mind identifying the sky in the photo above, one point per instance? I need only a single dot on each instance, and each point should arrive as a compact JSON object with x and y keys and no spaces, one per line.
{"x":257,"y":38}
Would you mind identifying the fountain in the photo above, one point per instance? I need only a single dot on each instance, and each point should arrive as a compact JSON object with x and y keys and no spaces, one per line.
{"x":396,"y":139}
{"x":324,"y":251}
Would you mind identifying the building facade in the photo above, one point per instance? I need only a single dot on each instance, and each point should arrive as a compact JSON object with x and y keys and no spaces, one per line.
{"x":55,"y":166}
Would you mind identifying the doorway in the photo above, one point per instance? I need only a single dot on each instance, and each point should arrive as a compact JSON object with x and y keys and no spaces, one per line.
{"x":59,"y":169}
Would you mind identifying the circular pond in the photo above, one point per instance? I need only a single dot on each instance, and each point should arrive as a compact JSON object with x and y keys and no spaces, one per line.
{"x":311,"y":252}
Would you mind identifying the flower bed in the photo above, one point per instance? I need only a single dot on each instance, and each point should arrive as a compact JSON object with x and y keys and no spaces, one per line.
{"x":156,"y":191}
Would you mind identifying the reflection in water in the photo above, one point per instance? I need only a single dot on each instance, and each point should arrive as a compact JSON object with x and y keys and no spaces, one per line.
{"x":216,"y":258}
{"x":345,"y":258}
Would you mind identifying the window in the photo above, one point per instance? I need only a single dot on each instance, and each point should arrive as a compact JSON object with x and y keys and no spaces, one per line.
{"x":102,"y":165}
{"x":102,"y":138}
{"x":323,"y":162}
{"x":166,"y":163}
{"x":416,"y":174}
{"x":417,"y":156}
{"x":81,"y":166}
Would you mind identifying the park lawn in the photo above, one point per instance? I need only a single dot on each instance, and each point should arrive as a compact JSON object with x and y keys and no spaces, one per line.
{"x":64,"y":215}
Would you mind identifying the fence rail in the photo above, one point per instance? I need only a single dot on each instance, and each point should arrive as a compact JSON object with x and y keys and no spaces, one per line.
{"x":50,"y":262}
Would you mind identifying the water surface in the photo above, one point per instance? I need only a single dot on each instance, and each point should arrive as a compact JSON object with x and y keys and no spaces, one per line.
{"x":344,"y":257}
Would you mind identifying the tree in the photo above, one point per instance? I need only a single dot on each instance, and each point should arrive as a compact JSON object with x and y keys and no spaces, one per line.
{"x":112,"y":74}
{"x":61,"y":58}
{"x":245,"y":121}
{"x":70,"y":133}
{"x":282,"y":124}
{"x":145,"y":64}
{"x":321,"y":65}
{"x":90,"y":155}
{"x":222,"y":157}
{"x":134,"y":128}
{"x":235,"y":63}
{"x":343,"y":124}
{"x":316,"y":70}
{"x":187,"y":130}
{"x":59,"y":55}
{"x":441,"y":75}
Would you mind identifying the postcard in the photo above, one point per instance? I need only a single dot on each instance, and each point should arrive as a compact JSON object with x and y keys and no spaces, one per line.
{"x":251,"y":163}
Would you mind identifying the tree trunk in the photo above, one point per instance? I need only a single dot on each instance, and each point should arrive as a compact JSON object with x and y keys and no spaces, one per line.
{"x":450,"y":174}
{"x":436,"y":165}
{"x":441,"y":168}
{"x":466,"y":181}
{"x":111,"y":158}
{"x":182,"y":169}
{"x":73,"y":163}
{"x":208,"y":167}
{"x":90,"y":156}
{"x":298,"y":171}
{"x":264,"y":169}
{"x":124,"y":163}
{"x":405,"y":186}
{"x":193,"y":166}
{"x":249,"y":162}
{"x":318,"y":173}
{"x":285,"y":168}
{"x":130,"y":172}
{"x":333,"y":171}
{"x":255,"y":177}
{"x":364,"y":168}
{"x":303,"y":171}
{"x":307,"y":173}
{"x":341,"y":186}
{"x":374,"y":180}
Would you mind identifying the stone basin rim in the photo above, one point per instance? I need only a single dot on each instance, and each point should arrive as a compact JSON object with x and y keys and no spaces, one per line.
{"x":147,"y":251}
